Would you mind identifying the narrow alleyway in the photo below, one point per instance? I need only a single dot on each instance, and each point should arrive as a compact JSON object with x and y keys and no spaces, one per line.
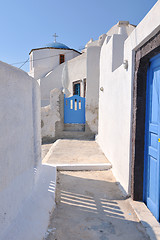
{"x":90,"y":205}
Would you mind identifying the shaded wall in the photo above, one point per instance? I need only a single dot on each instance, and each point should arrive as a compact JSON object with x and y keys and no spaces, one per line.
{"x":20,"y":139}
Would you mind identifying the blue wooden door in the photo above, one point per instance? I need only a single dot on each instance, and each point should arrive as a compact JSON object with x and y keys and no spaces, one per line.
{"x":152,"y":134}
{"x":74,"y":110}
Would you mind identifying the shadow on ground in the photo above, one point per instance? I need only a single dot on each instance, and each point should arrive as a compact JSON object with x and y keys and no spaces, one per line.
{"x":91,"y":206}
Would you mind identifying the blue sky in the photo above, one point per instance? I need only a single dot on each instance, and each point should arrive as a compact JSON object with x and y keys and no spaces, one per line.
{"x":29,"y":24}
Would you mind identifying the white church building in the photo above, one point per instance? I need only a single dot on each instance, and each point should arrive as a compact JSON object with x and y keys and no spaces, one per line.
{"x":46,"y":62}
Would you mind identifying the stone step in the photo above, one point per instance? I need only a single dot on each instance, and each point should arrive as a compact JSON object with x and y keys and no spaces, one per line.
{"x":74,"y":127}
{"x":83,"y":167}
{"x":76,"y":135}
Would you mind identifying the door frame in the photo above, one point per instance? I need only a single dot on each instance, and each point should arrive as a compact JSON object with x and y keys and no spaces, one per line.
{"x":146,"y":161}
{"x":142,"y":57}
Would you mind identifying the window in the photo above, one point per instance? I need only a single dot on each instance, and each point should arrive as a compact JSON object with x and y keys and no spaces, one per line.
{"x":61,"y":58}
{"x":77,"y":88}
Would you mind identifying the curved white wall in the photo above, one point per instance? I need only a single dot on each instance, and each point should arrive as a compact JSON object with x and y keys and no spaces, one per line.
{"x":76,"y":70}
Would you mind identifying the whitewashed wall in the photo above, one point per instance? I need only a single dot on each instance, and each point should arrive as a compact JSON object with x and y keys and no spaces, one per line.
{"x":19,"y":141}
{"x":115,"y":102}
{"x":115,"y":111}
{"x":52,"y":80}
{"x":50,"y":115}
{"x":76,"y":70}
{"x":92,"y":94}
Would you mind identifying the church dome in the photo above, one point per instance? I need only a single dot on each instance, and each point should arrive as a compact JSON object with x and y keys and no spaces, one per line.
{"x":57,"y":45}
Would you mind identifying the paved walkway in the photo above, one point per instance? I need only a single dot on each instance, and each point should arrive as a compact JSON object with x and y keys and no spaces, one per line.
{"x":90,"y":205}
{"x":75,"y":152}
{"x":45,"y":149}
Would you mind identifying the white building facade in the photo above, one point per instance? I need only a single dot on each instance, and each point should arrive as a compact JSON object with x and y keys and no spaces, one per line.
{"x":125,"y":108}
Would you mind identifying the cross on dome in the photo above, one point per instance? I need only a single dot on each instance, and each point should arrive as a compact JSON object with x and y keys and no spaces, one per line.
{"x":55,"y":36}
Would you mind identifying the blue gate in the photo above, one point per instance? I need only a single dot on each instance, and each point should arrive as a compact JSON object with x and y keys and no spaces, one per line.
{"x":152,"y":135}
{"x":74,"y":109}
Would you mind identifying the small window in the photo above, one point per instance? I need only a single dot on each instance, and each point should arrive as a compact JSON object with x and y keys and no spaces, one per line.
{"x":61,"y":58}
{"x":76,"y":89}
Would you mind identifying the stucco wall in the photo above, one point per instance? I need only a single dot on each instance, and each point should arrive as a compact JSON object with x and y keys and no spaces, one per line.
{"x":115,"y":106}
{"x":115,"y":110}
{"x":92,"y":95}
{"x":51,"y":117}
{"x":76,"y":70}
{"x":20,"y":140}
{"x":52,"y":80}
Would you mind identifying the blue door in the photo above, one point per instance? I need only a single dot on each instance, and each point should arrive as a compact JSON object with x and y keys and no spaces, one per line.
{"x":152,"y":134}
{"x":74,"y":110}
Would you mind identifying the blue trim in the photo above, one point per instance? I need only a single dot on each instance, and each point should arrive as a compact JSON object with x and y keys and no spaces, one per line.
{"x":155,"y":58}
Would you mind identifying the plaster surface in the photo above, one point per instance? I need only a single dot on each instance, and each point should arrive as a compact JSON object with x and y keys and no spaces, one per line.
{"x":32,"y":218}
{"x":51,"y":115}
{"x":91,"y":206}
{"x":20,"y":141}
{"x":116,"y":100}
{"x":92,"y":95}
{"x":75,"y":70}
{"x":115,"y":108}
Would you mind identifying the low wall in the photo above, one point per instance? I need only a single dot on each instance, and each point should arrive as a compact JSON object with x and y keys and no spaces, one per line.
{"x":52,"y":121}
{"x":20,"y":140}
{"x":92,"y":94}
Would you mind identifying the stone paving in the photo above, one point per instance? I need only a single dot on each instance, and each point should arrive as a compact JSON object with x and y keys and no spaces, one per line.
{"x":89,"y":204}
{"x":45,"y":149}
{"x":76,"y":152}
